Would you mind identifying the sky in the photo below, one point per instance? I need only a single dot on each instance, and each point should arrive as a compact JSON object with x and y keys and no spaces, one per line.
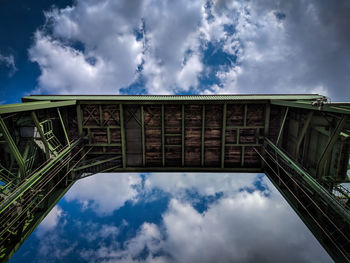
{"x":173,"y":47}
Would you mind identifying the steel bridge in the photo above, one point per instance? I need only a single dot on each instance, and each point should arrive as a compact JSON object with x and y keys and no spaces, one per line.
{"x":301,"y":142}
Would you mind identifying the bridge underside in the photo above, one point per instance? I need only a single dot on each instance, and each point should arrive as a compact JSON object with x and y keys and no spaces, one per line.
{"x":301,"y":142}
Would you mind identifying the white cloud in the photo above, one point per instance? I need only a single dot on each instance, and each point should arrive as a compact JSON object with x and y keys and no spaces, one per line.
{"x":106,"y":31}
{"x":50,"y":221}
{"x":233,"y":228}
{"x":298,"y":53}
{"x":8,"y":62}
{"x":105,"y":193}
{"x":204,"y":183}
{"x":96,"y":231}
{"x":280,"y":47}
{"x":239,"y":227}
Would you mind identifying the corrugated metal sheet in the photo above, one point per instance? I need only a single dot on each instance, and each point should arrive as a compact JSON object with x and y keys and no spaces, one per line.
{"x":175,"y":97}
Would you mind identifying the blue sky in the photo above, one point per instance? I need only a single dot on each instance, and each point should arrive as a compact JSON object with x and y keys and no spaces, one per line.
{"x":173,"y":47}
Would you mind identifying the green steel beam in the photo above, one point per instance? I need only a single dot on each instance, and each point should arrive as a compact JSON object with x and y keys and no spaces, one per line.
{"x":266,"y":128}
{"x":296,"y":207}
{"x":56,"y":197}
{"x":242,"y":156}
{"x":63,"y":126}
{"x":35,"y":177}
{"x":103,"y":144}
{"x":308,"y":105}
{"x":245,"y":115}
{"x":328,"y":150}
{"x":188,"y":169}
{"x":203,"y":134}
{"x":80,"y":120}
{"x":143,"y":136}
{"x":13,"y":147}
{"x":282,"y":126}
{"x":303,"y":132}
{"x":122,"y":134}
{"x":101,"y":117}
{"x":183,"y":135}
{"x":223,"y":135}
{"x":108,"y":135}
{"x":267,"y":119}
{"x":97,"y":163}
{"x":243,"y":144}
{"x":42,"y":135}
{"x":163,"y":137}
{"x":326,"y":196}
{"x":174,"y":98}
{"x":29,"y":106}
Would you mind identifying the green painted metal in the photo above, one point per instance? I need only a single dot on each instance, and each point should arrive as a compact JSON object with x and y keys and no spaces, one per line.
{"x":243,"y":144}
{"x":326,"y":196}
{"x":303,"y":132}
{"x":282,"y":126}
{"x":63,"y":126}
{"x":58,"y":196}
{"x":108,"y":135}
{"x":328,"y":149}
{"x":13,"y":147}
{"x":183,"y":135}
{"x":143,"y":136}
{"x":122,"y":132}
{"x":35,"y":177}
{"x":223,"y":135}
{"x":267,"y":119}
{"x":96,"y":163}
{"x":242,"y":156}
{"x":308,"y":105}
{"x":28,"y":106}
{"x":100,"y":111}
{"x":109,"y":153}
{"x":295,"y":205}
{"x":177,"y":169}
{"x":203,"y":135}
{"x":163,"y":135}
{"x":79,"y":120}
{"x":183,"y":98}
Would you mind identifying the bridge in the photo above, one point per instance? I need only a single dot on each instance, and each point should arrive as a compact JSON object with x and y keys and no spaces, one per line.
{"x":301,"y":142}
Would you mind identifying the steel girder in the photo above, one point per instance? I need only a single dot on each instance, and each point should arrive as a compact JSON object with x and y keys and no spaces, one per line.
{"x":305,"y":151}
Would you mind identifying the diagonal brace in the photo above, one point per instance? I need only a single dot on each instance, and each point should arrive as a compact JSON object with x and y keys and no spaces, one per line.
{"x":13,"y":147}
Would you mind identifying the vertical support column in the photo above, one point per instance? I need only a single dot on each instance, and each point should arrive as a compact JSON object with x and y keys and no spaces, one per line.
{"x":282,"y":126}
{"x":183,"y":135}
{"x":42,"y":135}
{"x":303,"y":132}
{"x":203,"y":134}
{"x":143,"y":136}
{"x":108,"y":135}
{"x":328,"y":150}
{"x":267,"y":119}
{"x":223,"y":135}
{"x":122,"y":134}
{"x":163,"y":137}
{"x":266,"y":128}
{"x":63,"y":126}
{"x":80,"y":120}
{"x":101,"y":115}
{"x":242,"y":156}
{"x":13,"y":147}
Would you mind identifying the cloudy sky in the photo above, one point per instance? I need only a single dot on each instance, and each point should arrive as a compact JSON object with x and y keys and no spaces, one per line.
{"x":173,"y":47}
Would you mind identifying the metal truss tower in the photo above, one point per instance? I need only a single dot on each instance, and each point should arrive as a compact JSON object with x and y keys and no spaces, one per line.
{"x":301,"y":142}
